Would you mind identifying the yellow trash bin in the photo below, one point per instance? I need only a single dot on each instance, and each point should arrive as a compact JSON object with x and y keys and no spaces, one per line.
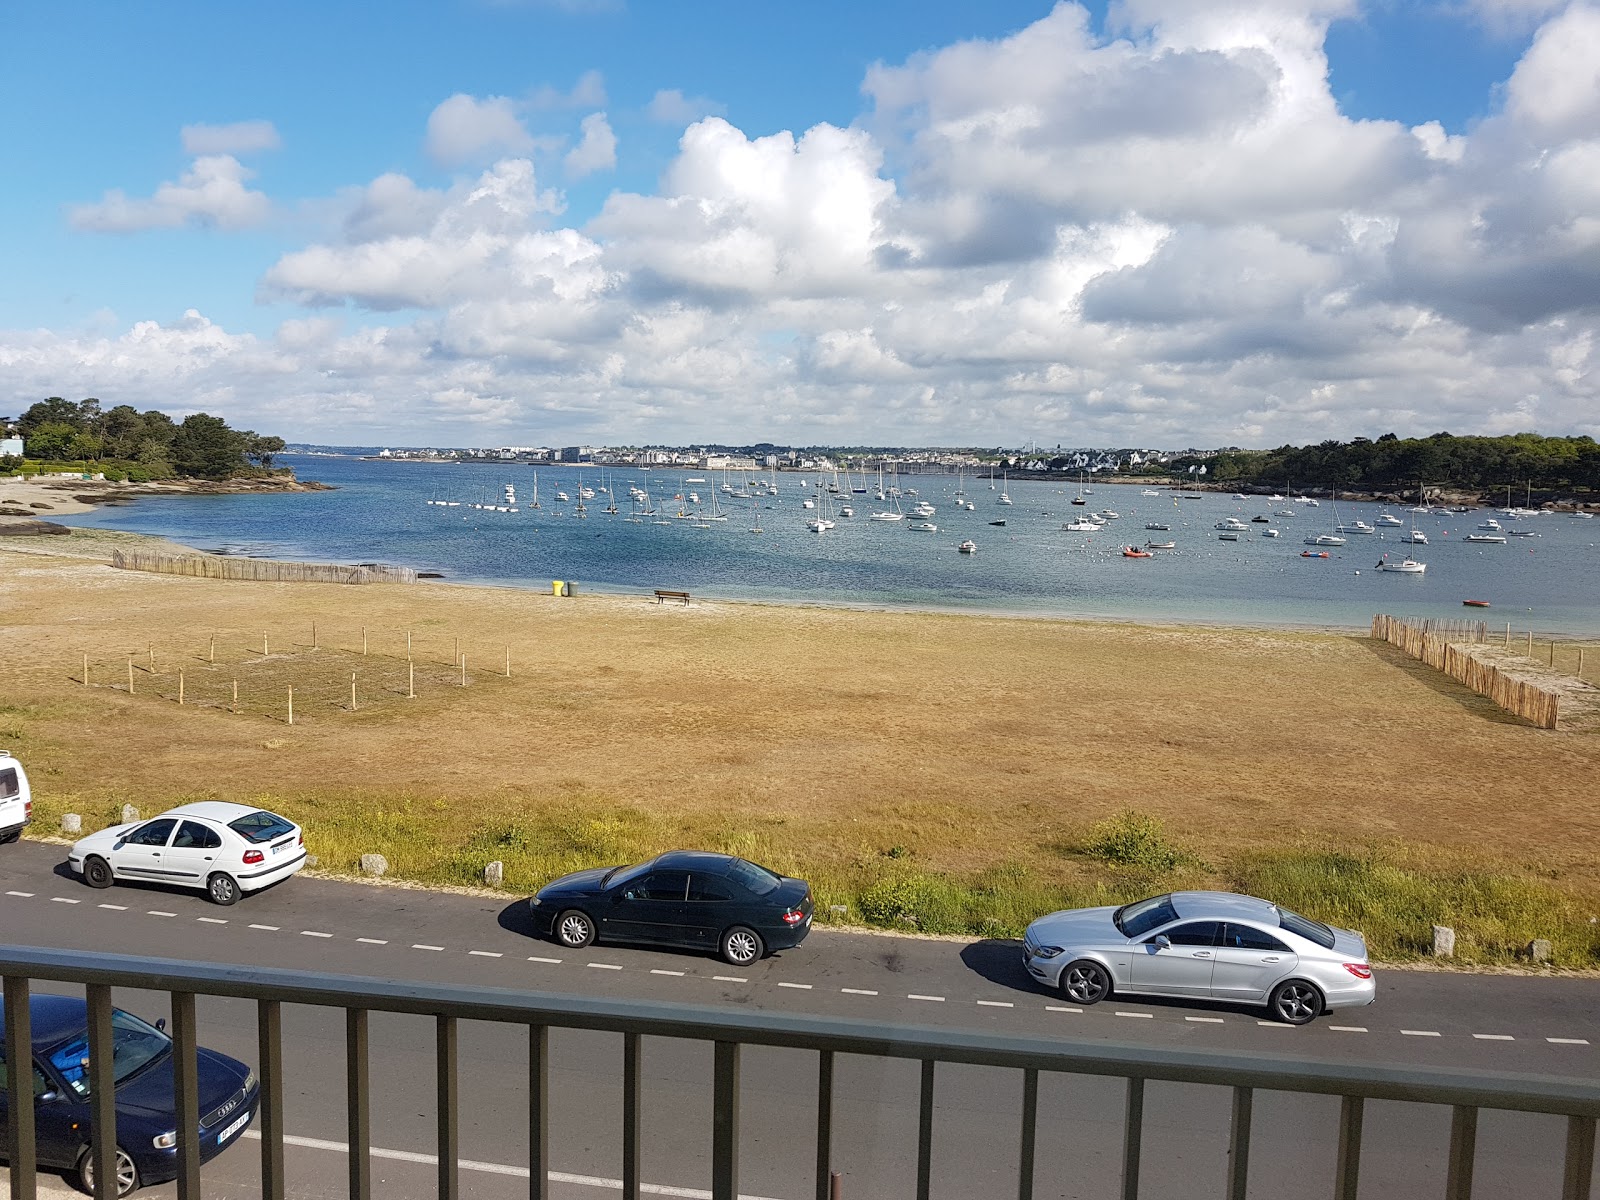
{"x":558,"y":588}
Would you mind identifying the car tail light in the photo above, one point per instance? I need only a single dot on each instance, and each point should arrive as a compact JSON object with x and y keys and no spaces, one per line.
{"x":793,"y":917}
{"x":302,"y":837}
{"x":27,"y":809}
{"x":1359,"y":970}
{"x":252,"y":857}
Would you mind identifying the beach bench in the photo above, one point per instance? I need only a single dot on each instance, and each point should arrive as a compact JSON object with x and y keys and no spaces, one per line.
{"x":667,"y":594}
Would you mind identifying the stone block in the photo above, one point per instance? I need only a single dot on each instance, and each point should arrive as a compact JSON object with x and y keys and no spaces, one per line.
{"x":1539,"y":950}
{"x":129,"y":814}
{"x":1444,"y":941}
{"x":494,"y":874}
{"x":71,"y":823}
{"x":374,"y":864}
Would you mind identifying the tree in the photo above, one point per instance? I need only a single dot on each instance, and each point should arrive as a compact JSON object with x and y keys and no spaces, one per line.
{"x":52,"y":410}
{"x":260,"y":450}
{"x":206,"y":448}
{"x":48,"y":439}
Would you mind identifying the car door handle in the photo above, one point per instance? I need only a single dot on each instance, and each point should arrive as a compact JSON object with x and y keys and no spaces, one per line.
{"x":1202,"y":954}
{"x":1270,"y":958}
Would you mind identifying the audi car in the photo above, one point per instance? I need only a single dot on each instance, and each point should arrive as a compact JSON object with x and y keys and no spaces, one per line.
{"x":223,"y":849}
{"x":147,"y":1121}
{"x":687,"y":898}
{"x":1205,"y":945}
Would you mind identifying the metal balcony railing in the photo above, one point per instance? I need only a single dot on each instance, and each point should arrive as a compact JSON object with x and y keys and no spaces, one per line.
{"x":728,"y":1032}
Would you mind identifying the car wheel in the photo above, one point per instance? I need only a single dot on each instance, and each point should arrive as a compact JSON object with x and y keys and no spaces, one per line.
{"x":1085,"y":982}
{"x":97,"y":872}
{"x":127,"y":1173}
{"x":10,"y":836}
{"x":741,"y":946}
{"x":223,"y":889}
{"x":1295,"y":1002}
{"x":574,"y":929}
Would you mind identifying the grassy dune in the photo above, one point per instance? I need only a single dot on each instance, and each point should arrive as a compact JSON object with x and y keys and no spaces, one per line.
{"x":945,"y":773}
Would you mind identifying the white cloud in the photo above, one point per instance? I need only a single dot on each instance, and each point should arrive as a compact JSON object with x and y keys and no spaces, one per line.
{"x":242,"y":137}
{"x":588,"y":92}
{"x":596,"y":149}
{"x":465,"y":129}
{"x":1555,"y":90}
{"x":670,"y":106}
{"x":211,"y":193}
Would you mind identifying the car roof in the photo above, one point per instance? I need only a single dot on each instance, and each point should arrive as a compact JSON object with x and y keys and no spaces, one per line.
{"x":53,"y":1018}
{"x":1224,"y":905}
{"x":695,"y":860}
{"x":214,"y":810}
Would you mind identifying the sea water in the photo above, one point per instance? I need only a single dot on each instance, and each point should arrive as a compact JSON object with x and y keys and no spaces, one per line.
{"x":379,"y":513}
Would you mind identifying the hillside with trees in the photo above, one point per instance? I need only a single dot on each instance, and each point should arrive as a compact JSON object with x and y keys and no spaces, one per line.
{"x":1399,"y":465}
{"x":140,"y":446}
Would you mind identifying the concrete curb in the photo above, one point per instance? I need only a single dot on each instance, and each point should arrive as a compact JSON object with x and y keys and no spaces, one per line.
{"x":48,"y":1184}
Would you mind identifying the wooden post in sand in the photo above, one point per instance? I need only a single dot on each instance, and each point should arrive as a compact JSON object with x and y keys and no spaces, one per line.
{"x":1580,"y":662}
{"x":291,"y":706}
{"x":180,"y":685}
{"x":85,"y":670}
{"x":152,"y":658}
{"x":1552,"y":654}
{"x":458,"y":649}
{"x":264,"y":651}
{"x":235,"y":695}
{"x":463,"y":671}
{"x":408,"y":645}
{"x":1508,"y":633}
{"x":211,"y":655}
{"x":363,"y":641}
{"x":508,"y":662}
{"x":314,"y":645}
{"x":130,"y":676}
{"x":352,"y":691}
{"x":1530,"y":643}
{"x":411,"y":672}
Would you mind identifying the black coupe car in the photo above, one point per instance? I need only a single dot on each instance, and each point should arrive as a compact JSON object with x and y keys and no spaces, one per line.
{"x":683,"y":898}
{"x":147,"y":1120}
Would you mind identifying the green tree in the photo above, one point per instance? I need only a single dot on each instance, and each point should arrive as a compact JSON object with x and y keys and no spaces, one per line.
{"x":52,"y":410}
{"x":49,"y":439}
{"x":206,"y":448}
{"x":260,"y":450}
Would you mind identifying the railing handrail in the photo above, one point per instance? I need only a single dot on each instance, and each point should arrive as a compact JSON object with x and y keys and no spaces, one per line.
{"x":1420,"y":1084}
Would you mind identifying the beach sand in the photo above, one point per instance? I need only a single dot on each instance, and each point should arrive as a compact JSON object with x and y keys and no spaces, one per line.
{"x":968,"y":740}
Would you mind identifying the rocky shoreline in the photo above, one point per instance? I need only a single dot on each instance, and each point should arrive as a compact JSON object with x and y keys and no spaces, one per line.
{"x":27,"y":504}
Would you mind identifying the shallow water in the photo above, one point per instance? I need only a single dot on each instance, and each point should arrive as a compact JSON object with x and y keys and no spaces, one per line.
{"x":1550,"y":583}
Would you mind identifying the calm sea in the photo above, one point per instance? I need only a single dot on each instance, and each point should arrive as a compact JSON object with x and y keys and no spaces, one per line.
{"x":1549,"y":582}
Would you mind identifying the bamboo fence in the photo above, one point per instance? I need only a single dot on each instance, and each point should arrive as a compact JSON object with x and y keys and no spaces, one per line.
{"x":1447,"y":646}
{"x":214,"y":567}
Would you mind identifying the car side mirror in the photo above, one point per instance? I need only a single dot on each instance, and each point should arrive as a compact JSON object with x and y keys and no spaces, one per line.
{"x":161,"y":1024}
{"x":1163,"y":942}
{"x":49,"y":1097}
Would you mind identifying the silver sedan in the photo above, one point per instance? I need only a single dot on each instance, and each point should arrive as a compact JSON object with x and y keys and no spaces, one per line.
{"x":1209,"y":945}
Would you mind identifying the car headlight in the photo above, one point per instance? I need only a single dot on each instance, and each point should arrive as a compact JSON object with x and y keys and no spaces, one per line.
{"x":250,"y":1079}
{"x":1047,"y":951}
{"x":165,"y":1141}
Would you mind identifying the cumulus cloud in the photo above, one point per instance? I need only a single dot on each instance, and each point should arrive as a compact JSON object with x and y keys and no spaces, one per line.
{"x":465,"y":129}
{"x":211,"y":193}
{"x":596,"y":149}
{"x":1164,"y":231}
{"x":588,"y":92}
{"x":242,"y":137}
{"x":671,"y":107}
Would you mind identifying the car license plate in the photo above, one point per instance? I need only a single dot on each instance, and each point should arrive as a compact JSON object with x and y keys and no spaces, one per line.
{"x":281,"y":846}
{"x":234,"y":1128}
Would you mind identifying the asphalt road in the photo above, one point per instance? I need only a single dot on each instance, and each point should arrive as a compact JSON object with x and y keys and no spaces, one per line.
{"x":1504,"y":1023}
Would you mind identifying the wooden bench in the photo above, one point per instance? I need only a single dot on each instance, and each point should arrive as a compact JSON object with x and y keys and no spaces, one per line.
{"x":665,"y":594}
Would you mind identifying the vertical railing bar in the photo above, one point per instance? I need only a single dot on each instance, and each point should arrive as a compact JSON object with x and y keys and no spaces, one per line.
{"x":1030,"y":1132}
{"x":1579,"y":1171}
{"x":186,"y":1091}
{"x":21,"y":1152}
{"x":358,"y":1104}
{"x":448,"y":1101}
{"x":102,"y":1092}
{"x":269,"y":1045}
{"x":538,"y":1112}
{"x":1347,"y":1172}
{"x":1239,"y":1143}
{"x":725,"y":1121}
{"x":1132,"y":1137}
{"x":1463,"y":1149}
{"x":630,"y":1116}
{"x":824,"y":1122}
{"x":925,"y":1132}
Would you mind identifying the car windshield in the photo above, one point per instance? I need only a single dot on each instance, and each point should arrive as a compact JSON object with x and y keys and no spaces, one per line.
{"x":1312,"y":931}
{"x":134,"y":1044}
{"x":1140,"y":917}
{"x":620,"y":875}
{"x":260,"y":826}
{"x":756,"y":879}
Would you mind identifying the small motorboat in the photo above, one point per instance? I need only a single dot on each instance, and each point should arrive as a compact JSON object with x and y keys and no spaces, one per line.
{"x":1390,"y":520}
{"x":1156,"y":525}
{"x":1492,"y":539}
{"x":968,"y":547}
{"x":1228,"y":535}
{"x":1081,"y":526}
{"x":1135,"y":552}
{"x":1161,"y":545}
{"x":1262,"y":520}
{"x":1406,"y":566}
{"x":1476,"y":603}
{"x":1000,"y":522}
{"x":1269,"y":533}
{"x":923,"y":527}
{"x":1313,"y":554}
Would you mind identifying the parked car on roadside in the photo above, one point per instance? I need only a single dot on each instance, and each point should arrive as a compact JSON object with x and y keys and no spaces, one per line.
{"x":1206,"y":945}
{"x":686,"y":898}
{"x":147,"y":1138}
{"x":225,"y":849}
{"x":16,"y":800}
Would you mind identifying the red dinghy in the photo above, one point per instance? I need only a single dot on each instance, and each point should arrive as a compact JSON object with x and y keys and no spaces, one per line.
{"x":1476,"y":603}
{"x":1313,"y":554}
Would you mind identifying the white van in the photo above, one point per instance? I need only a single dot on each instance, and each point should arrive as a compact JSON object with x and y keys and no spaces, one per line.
{"x":16,"y":801}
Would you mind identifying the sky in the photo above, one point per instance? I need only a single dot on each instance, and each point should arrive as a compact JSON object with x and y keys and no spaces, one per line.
{"x":1163,"y":223}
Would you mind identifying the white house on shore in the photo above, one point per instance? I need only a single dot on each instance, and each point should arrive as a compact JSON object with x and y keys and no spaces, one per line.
{"x":11,"y":445}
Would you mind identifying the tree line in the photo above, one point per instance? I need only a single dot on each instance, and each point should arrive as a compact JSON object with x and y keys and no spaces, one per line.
{"x":1395,"y":464}
{"x":143,"y":445}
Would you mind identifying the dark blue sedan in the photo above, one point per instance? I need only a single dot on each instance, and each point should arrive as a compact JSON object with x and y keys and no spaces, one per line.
{"x":684,"y":898}
{"x":147,"y":1121}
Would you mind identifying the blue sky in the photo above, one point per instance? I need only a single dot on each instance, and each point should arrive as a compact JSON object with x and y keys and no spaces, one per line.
{"x":98,"y":96}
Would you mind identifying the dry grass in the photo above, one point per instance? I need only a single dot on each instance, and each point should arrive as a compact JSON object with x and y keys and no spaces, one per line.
{"x":816,"y":739}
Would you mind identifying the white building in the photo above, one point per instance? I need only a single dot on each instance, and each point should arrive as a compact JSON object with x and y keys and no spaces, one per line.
{"x":11,"y":445}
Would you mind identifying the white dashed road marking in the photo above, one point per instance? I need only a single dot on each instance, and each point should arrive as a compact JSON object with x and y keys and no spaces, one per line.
{"x":421,"y":946}
{"x":64,"y":900}
{"x":1348,"y":1028}
{"x":997,"y":1003}
{"x":156,"y":912}
{"x":858,"y":991}
{"x":730,"y":979}
{"x":116,"y":907}
{"x":486,"y":953}
{"x":659,"y":971}
{"x":804,"y":987}
{"x":1494,"y":1037}
{"x":1060,"y":1008}
{"x":268,"y":928}
{"x":536,"y":958}
{"x":1569,"y":1041}
{"x":1420,"y":1032}
{"x":24,"y":895}
{"x":1146,"y":1016}
{"x":314,"y":933}
{"x":213,"y":920}
{"x":606,"y":966}
{"x":914,"y":996}
{"x":374,"y":941}
{"x":1206,"y":1020}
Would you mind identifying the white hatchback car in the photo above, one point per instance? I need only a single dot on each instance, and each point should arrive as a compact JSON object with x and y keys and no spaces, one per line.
{"x":226,"y":849}
{"x":16,"y":801}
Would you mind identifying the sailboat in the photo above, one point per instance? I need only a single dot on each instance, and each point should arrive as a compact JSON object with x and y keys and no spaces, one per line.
{"x":535,"y":503}
{"x":1415,"y":536}
{"x":1078,"y":499}
{"x":1330,"y":538}
{"x":1005,"y":494}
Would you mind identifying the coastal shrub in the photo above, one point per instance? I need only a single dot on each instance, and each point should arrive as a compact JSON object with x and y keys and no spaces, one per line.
{"x":1133,"y":839}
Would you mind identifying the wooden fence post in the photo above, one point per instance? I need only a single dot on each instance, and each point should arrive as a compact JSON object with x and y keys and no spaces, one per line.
{"x":408,"y":645}
{"x":458,"y":649}
{"x":411,"y":671}
{"x":352,"y":691}
{"x":1530,"y":643}
{"x":235,"y":695}
{"x":264,"y":650}
{"x":508,"y":661}
{"x":363,"y":641}
{"x":291,"y":706}
{"x":85,"y":670}
{"x":1580,"y":662}
{"x":180,"y":685}
{"x":130,"y":676}
{"x":314,"y":644}
{"x":463,"y":671}
{"x":211,"y":656}
{"x":1508,"y":633}
{"x":1552,"y":654}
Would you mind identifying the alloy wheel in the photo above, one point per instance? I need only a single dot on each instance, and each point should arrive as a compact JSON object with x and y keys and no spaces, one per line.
{"x":127,"y":1174}
{"x":741,"y":947}
{"x":575,"y":930}
{"x":1086,"y":982}
{"x":1296,"y":1003}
